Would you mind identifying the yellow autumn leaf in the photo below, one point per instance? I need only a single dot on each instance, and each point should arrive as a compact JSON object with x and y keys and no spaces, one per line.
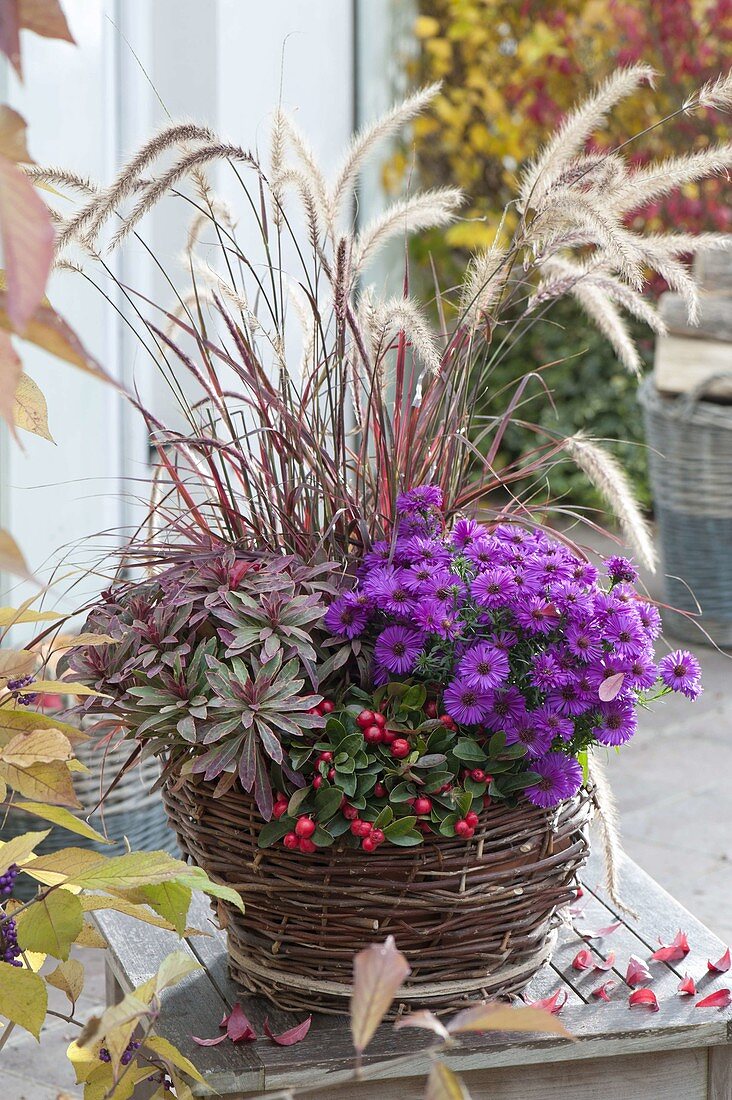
{"x":62,"y":817}
{"x":30,"y":411}
{"x":13,"y":136}
{"x":23,"y":997}
{"x":20,"y":848}
{"x":426,"y":26}
{"x":11,"y":558}
{"x":11,"y":616}
{"x":69,"y":978}
{"x":15,"y":664}
{"x":13,"y":719}
{"x":47,"y":782}
{"x":64,"y":687}
{"x":51,"y":924}
{"x":38,"y":746}
{"x":169,"y":1053}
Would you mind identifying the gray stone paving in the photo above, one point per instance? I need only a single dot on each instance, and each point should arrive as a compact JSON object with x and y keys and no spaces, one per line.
{"x":671,"y":784}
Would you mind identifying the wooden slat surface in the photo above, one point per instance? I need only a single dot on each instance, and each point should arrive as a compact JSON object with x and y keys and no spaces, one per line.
{"x":603,"y":1029}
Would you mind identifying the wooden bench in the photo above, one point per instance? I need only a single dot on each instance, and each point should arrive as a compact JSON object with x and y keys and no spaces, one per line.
{"x":679,"y":1053}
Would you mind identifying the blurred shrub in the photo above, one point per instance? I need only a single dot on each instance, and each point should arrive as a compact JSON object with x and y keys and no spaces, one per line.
{"x":510,"y":69}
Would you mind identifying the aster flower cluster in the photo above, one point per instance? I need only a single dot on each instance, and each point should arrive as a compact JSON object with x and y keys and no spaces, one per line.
{"x":514,"y":635}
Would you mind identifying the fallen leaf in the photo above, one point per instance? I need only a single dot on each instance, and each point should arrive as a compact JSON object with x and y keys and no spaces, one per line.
{"x":210,"y":1042}
{"x":672,"y":952}
{"x":583,"y":960}
{"x":637,"y":971}
{"x":551,"y":1004}
{"x":720,"y":999}
{"x":721,"y":966}
{"x":602,"y":993}
{"x":289,"y":1038}
{"x":606,"y":964}
{"x":611,"y":687}
{"x":687,"y":985}
{"x":644,"y":997}
{"x":238,"y":1027}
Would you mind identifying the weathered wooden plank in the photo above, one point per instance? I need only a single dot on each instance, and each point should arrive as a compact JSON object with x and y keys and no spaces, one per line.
{"x":193,"y":1007}
{"x":719,"y":1075}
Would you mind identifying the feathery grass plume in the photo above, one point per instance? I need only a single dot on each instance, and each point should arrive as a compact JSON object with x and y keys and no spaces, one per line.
{"x":92,"y":216}
{"x":276,"y":163}
{"x":367,"y":139}
{"x":485,"y":278}
{"x":643,"y":185}
{"x":317,"y":185}
{"x":308,"y":191}
{"x":60,"y":177}
{"x":715,"y":94}
{"x":607,"y":815}
{"x":426,"y":210}
{"x":578,"y":126}
{"x":405,"y":315}
{"x":621,"y":248}
{"x":608,"y":478}
{"x":158,"y":188}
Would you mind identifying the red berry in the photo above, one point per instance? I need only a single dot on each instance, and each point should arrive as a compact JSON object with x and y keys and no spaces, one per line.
{"x":431,"y":709}
{"x":368,"y":844}
{"x":447,"y":722}
{"x":305,"y":827}
{"x":388,"y":737}
{"x":422,"y":806}
{"x":317,"y":782}
{"x":463,"y":828}
{"x":380,"y":791}
{"x":291,"y":840}
{"x":445,"y":787}
{"x":424,"y":826}
{"x":373,"y":735}
{"x":306,"y":845}
{"x":472,"y":819}
{"x":278,"y":810}
{"x":379,"y":719}
{"x":486,"y":801}
{"x":478,"y":775}
{"x":331,"y":774}
{"x":361,"y":828}
{"x":365,"y":718}
{"x":400,"y":748}
{"x":327,"y":706}
{"x":325,"y":757}
{"x":349,"y":812}
{"x":377,"y":836}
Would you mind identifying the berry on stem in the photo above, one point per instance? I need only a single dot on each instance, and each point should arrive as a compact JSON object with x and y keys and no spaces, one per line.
{"x":472,"y":818}
{"x":400,"y":748}
{"x":327,"y":706}
{"x":379,"y":719}
{"x":373,"y":735}
{"x":369,"y":844}
{"x":306,"y":845}
{"x":463,"y":828}
{"x":280,"y":808}
{"x":380,"y":791}
{"x":305,"y":827}
{"x":365,"y":718}
{"x":478,"y":775}
{"x":291,"y":840}
{"x":422,"y":806}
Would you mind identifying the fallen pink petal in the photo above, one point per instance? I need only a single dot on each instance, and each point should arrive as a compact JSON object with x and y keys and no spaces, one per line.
{"x":721,"y":966}
{"x":644,"y":997}
{"x":602,"y":993}
{"x":637,"y":971}
{"x":721,"y":999}
{"x":599,"y":933}
{"x":583,"y":960}
{"x":288,"y":1038}
{"x":611,"y":687}
{"x":209,"y":1042}
{"x":688,"y":985}
{"x":238,"y":1027}
{"x":554,"y":1004}
{"x":672,"y":952}
{"x":605,"y":964}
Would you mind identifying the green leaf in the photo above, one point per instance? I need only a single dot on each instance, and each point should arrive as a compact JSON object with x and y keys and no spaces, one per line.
{"x":400,"y":827}
{"x":273,"y":831}
{"x":408,"y":840}
{"x":23,"y":997}
{"x":414,"y":698}
{"x":497,"y":743}
{"x":297,"y":800}
{"x":171,"y":901}
{"x":468,"y":750}
{"x":385,"y":818}
{"x":401,"y":792}
{"x":197,"y":879}
{"x":59,"y":816}
{"x":327,"y":802}
{"x":51,"y":924}
{"x":322,"y":837}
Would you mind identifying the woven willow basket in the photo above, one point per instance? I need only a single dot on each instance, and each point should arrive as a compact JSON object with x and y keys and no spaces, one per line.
{"x":474,"y":919}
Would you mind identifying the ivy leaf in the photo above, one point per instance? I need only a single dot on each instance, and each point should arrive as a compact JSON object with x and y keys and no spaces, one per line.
{"x":378,"y":972}
{"x":51,"y":924}
{"x":23,"y":997}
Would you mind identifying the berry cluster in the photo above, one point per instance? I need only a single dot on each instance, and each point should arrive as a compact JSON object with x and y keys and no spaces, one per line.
{"x":9,"y":949}
{"x":127,"y":1056}
{"x":7,"y":881}
{"x":14,"y":687}
{"x":301,"y":838}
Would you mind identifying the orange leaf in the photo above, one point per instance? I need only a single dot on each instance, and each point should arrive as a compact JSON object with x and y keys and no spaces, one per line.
{"x":44,"y":17}
{"x":12,"y":136}
{"x":497,"y":1017}
{"x":378,"y":971}
{"x":27,"y":237}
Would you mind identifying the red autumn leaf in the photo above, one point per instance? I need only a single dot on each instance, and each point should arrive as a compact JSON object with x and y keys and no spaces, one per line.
{"x":688,"y":985}
{"x":637,"y":971}
{"x":583,"y":960}
{"x":721,"y":999}
{"x":721,"y":966}
{"x":238,"y":1027}
{"x":209,"y":1042}
{"x":672,"y":952}
{"x":602,"y":993}
{"x":611,"y":687}
{"x":644,"y":997}
{"x":551,"y":1004}
{"x":606,"y":964}
{"x":289,"y":1038}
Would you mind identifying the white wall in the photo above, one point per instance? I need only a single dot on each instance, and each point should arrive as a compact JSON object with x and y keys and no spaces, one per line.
{"x":219,"y":62}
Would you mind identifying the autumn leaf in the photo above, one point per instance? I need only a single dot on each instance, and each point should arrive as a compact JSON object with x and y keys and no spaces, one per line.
{"x":11,"y":367}
{"x":38,"y":746}
{"x":27,"y":235}
{"x":69,"y":978}
{"x":30,"y":411}
{"x":378,"y":972}
{"x":424,"y":1019}
{"x":443,"y":1084}
{"x":13,"y":616}
{"x":51,"y":924}
{"x":44,"y":17}
{"x":11,"y":559}
{"x":293,"y":1035}
{"x":45,"y":782}
{"x":169,"y":1053}
{"x":60,"y":816}
{"x":498,"y":1017}
{"x":20,"y":848}
{"x":23,"y":997}
{"x":17,"y":663}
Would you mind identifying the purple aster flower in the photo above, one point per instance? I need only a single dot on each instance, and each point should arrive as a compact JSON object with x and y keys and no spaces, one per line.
{"x":507,"y":708}
{"x":584,"y":641}
{"x":397,"y":648}
{"x":505,"y":639}
{"x":428,"y":551}
{"x":465,"y":532}
{"x":482,"y":554}
{"x":620,"y":569}
{"x":430,"y":613}
{"x":641,"y":672}
{"x":493,"y":588}
{"x":379,"y":554}
{"x":544,"y":672}
{"x":419,"y":577}
{"x":485,"y":666}
{"x":387,"y":588}
{"x":511,"y":532}
{"x":561,"y":778}
{"x":466,"y":703}
{"x":553,"y":723}
{"x":624,"y":632}
{"x":531,"y":734}
{"x":650,"y":618}
{"x":546,"y":569}
{"x":445,"y":586}
{"x":536,"y":615}
{"x":572,"y":599}
{"x":617,"y":722}
{"x":681,"y":671}
{"x":583,"y":572}
{"x":568,"y":699}
{"x":347,"y":615}
{"x":424,"y":498}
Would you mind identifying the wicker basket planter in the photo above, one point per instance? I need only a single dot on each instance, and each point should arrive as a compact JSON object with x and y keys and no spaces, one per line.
{"x":474,"y":919}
